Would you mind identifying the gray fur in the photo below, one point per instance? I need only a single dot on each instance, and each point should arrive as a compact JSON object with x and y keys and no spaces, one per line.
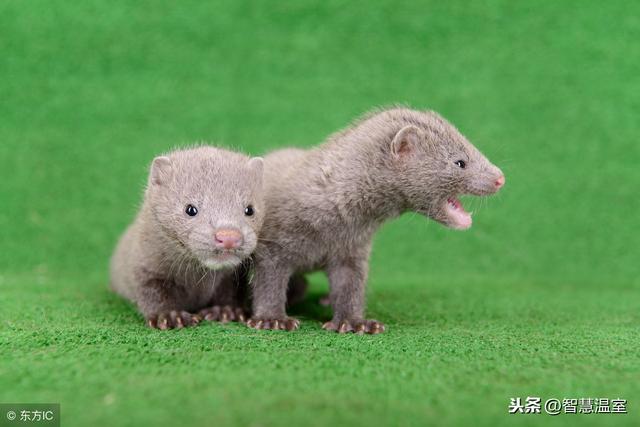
{"x":167,"y":262}
{"x":324,"y":205}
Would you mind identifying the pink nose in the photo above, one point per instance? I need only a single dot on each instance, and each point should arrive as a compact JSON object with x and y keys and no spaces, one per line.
{"x":500,"y":182}
{"x":228,"y":239}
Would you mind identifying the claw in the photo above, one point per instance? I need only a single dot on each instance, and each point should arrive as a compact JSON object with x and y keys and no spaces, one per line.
{"x":329,"y":326}
{"x":173,"y":319}
{"x":375,"y":327}
{"x":274,"y":324}
{"x":163,"y":324}
{"x":357,"y":326}
{"x":293,"y":324}
{"x":223,"y":314}
{"x":345,"y":327}
{"x":179,"y":323}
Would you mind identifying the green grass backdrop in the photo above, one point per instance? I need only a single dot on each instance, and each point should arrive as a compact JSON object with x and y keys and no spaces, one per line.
{"x":540,"y":298}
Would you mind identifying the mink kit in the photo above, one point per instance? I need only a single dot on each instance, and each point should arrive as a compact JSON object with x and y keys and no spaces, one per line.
{"x":323,"y":206}
{"x":200,"y":218}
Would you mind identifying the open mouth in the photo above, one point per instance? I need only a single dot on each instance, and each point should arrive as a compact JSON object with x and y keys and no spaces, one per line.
{"x":457,"y":217}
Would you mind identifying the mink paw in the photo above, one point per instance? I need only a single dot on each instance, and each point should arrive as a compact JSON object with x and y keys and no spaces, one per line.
{"x":223,"y":314}
{"x":355,"y":326}
{"x":285,"y":324}
{"x":173,"y":320}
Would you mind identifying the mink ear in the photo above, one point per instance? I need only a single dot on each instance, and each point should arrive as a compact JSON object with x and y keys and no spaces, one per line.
{"x":160,"y":170}
{"x":405,"y":141}
{"x":256,"y":164}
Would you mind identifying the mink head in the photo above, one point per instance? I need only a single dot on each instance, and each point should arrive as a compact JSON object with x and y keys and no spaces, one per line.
{"x":208,"y":203}
{"x":434,"y":164}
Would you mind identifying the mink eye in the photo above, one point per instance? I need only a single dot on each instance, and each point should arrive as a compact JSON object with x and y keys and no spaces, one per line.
{"x":191,"y":210}
{"x":461,"y":163}
{"x":248,"y":211}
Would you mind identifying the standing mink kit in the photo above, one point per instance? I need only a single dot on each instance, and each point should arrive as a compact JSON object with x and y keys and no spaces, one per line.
{"x":200,"y":218}
{"x":323,"y":206}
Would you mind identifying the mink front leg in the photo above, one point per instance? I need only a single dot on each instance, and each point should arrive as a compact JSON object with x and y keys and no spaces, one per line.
{"x":270,"y":296}
{"x":347,"y":279}
{"x":160,"y":303}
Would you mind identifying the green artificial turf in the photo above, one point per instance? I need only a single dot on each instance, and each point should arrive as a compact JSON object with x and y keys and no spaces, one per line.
{"x":540,"y":298}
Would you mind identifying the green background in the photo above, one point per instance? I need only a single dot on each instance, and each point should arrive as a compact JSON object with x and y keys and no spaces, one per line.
{"x":540,"y":298}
